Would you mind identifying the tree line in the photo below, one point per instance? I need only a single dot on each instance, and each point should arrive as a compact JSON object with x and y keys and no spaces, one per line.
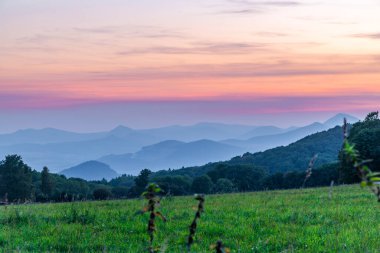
{"x":19,"y":183}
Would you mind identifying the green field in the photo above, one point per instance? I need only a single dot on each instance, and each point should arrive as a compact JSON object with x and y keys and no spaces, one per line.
{"x":276,"y":221}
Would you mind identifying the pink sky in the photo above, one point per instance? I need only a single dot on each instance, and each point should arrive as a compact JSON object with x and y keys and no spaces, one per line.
{"x":239,"y":54}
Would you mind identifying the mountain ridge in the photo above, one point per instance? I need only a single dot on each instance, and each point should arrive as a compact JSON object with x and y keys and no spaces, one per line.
{"x":59,"y":149}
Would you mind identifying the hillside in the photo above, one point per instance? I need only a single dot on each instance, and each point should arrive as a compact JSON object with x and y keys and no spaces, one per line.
{"x":283,"y":138}
{"x":92,"y":170}
{"x":294,"y":157}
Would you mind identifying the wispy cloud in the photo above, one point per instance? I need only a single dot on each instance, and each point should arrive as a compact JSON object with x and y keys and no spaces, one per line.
{"x":225,"y":71}
{"x":266,"y":3}
{"x":329,"y":20}
{"x":97,"y":30}
{"x":199,"y":48}
{"x":245,"y":106}
{"x":109,"y":32}
{"x":375,"y":36}
{"x":240,"y":11}
{"x":271,"y":34}
{"x":243,"y":7}
{"x":27,"y":100}
{"x":133,"y":31}
{"x":223,"y":107}
{"x":341,"y":22}
{"x":377,"y":58}
{"x":39,"y":38}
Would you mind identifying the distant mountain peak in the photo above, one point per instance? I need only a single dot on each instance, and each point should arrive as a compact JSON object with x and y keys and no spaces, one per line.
{"x":166,"y":144}
{"x":337,"y":120}
{"x":315,"y":124}
{"x":121,"y":128}
{"x":208,"y":124}
{"x":90,"y":170}
{"x":121,"y":131}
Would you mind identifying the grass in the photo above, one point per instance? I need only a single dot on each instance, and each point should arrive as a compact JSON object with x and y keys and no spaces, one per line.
{"x":277,"y":221}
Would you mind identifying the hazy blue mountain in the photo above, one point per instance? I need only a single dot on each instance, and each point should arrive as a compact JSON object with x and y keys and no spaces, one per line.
{"x":59,"y":149}
{"x":213,"y":131}
{"x":122,"y":131}
{"x":159,"y":150}
{"x":171,"y":154}
{"x":43,"y":136}
{"x":288,"y":137}
{"x":293,"y":157}
{"x":264,"y":130}
{"x":264,"y":142}
{"x":205,"y":130}
{"x":58,"y":156}
{"x":51,"y":135}
{"x":260,"y":143}
{"x":337,"y":120}
{"x":91,"y":170}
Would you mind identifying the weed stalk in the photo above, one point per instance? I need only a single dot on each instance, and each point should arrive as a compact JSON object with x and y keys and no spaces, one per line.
{"x":193,"y":226}
{"x":151,"y":195}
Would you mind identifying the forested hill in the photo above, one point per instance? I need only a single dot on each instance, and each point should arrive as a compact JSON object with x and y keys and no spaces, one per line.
{"x":294,"y":157}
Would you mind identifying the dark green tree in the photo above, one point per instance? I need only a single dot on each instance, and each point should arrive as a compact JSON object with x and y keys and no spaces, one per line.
{"x":244,"y":177}
{"x":120,"y":191}
{"x":372,"y":116}
{"x":46,"y":182}
{"x":123,"y":180}
{"x":174,"y":185}
{"x":16,"y":178}
{"x":202,"y":184}
{"x":274,"y":181}
{"x":141,"y":182}
{"x":224,"y":185}
{"x":324,"y":175}
{"x":365,"y":136}
{"x":102,"y":194}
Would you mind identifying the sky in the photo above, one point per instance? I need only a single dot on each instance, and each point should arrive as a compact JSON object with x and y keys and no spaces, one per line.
{"x":93,"y":64}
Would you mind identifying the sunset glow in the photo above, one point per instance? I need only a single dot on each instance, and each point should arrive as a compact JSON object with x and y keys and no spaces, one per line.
{"x":69,"y":54}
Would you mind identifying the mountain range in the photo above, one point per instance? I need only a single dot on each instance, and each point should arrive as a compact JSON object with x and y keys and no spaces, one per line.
{"x":129,"y":150}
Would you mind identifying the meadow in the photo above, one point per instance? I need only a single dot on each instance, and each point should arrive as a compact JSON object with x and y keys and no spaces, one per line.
{"x":305,"y":220}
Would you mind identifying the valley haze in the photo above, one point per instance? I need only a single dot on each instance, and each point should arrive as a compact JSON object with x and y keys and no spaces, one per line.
{"x":124,"y":150}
